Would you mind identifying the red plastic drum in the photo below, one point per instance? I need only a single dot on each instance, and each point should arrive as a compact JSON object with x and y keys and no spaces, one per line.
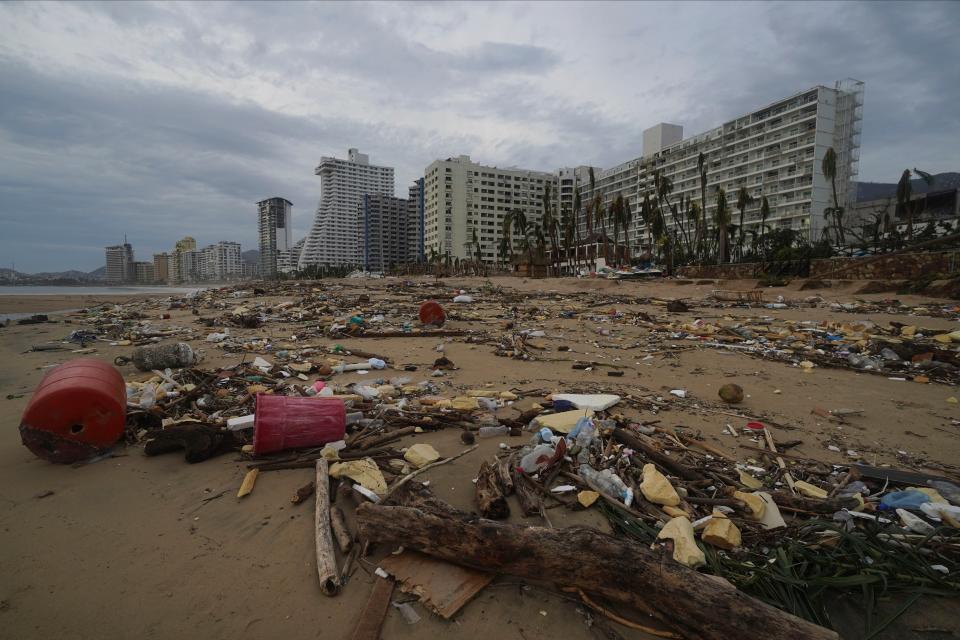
{"x":432,"y":314}
{"x":78,"y":411}
{"x":288,"y":422}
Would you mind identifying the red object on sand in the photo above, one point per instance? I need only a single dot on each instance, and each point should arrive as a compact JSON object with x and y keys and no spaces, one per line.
{"x":431,"y":313}
{"x":77,"y":412}
{"x":755,"y":426}
{"x":287,"y":422}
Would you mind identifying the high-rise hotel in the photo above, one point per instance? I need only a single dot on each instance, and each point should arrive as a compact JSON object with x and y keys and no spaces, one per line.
{"x":333,"y":240}
{"x":774,"y":151}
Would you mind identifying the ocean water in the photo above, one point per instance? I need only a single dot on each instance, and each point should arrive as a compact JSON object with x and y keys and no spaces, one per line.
{"x":40,"y":290}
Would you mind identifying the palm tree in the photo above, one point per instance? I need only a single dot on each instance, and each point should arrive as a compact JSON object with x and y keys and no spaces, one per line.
{"x":593,"y":188}
{"x":507,"y":231}
{"x":743,"y":200}
{"x":616,"y":218}
{"x":702,"y":222}
{"x":721,"y":218}
{"x":550,"y":226}
{"x":627,"y":220}
{"x":476,"y":248}
{"x":577,"y":207}
{"x":569,"y":233}
{"x":764,"y":214}
{"x":904,"y":194}
{"x":829,"y":167}
{"x":520,"y":221}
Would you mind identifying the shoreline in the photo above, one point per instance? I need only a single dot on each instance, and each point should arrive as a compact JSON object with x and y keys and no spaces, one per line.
{"x":26,"y":305}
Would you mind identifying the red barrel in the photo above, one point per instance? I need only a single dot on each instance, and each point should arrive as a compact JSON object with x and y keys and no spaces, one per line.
{"x":431,"y":313}
{"x":287,"y":422}
{"x":78,"y":411}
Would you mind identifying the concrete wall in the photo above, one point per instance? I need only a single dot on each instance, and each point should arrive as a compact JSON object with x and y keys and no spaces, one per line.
{"x":906,"y":266}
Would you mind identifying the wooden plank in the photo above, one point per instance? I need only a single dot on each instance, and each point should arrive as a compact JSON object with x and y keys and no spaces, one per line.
{"x":443,"y":588}
{"x":374,"y":612}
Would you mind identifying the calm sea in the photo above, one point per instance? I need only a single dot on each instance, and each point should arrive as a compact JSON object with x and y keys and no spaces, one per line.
{"x":39,"y":290}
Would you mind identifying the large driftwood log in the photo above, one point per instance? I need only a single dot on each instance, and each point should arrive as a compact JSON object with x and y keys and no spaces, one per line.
{"x":490,"y":500}
{"x":326,"y":560}
{"x":693,"y":604}
{"x":635,"y":442}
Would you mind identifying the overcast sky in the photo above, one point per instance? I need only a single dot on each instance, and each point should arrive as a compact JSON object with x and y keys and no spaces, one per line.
{"x":163,"y":120}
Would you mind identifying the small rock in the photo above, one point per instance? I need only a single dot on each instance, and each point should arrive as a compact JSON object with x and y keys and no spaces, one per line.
{"x":731,"y":393}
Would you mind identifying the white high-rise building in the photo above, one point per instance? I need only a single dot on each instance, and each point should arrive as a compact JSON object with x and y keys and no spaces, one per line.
{"x":221,"y":261}
{"x":774,"y":151}
{"x":461,"y":197}
{"x":120,"y":265}
{"x":333,"y":240}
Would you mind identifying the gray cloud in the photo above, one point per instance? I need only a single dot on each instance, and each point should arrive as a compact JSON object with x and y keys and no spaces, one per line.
{"x":161,"y":120}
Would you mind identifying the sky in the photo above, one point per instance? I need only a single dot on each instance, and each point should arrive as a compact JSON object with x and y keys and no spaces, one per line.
{"x":159,"y":120}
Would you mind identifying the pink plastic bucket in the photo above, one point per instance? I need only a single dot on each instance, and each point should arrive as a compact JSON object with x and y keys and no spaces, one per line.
{"x":284,"y":422}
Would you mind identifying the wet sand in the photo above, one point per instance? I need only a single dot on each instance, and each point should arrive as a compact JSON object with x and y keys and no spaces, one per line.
{"x":131,"y":546}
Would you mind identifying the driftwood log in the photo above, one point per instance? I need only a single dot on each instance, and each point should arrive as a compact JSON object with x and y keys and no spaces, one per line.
{"x":786,"y":500}
{"x":490,"y":500}
{"x":326,"y":560}
{"x":695,"y":605}
{"x":677,"y":468}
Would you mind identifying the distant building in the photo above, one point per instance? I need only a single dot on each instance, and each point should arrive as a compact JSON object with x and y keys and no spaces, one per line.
{"x":145,"y":272}
{"x":220,"y":261}
{"x":415,"y":223}
{"x":120,"y":269}
{"x":462,"y":197}
{"x":383,"y":231}
{"x":161,"y":268}
{"x":287,"y":261}
{"x":177,"y":272}
{"x":333,"y":239}
{"x":935,"y":213}
{"x":190,"y":265}
{"x":274,"y":219}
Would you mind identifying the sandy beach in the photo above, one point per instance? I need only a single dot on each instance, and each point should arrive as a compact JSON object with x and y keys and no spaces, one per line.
{"x":132,"y":546}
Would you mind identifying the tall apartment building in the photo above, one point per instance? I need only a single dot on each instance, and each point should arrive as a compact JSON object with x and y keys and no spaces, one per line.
{"x":383,"y":227}
{"x":190,"y":265}
{"x":461,"y":196}
{"x":333,"y":239}
{"x":177,"y":262}
{"x":774,"y":151}
{"x":161,"y":268}
{"x":274,"y":219}
{"x":144,"y":272}
{"x":415,"y":212}
{"x":220,"y":261}
{"x":120,"y":267}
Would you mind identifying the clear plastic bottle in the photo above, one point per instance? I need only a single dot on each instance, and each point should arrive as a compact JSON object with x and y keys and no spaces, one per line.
{"x":607,"y":482}
{"x":492,"y":432}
